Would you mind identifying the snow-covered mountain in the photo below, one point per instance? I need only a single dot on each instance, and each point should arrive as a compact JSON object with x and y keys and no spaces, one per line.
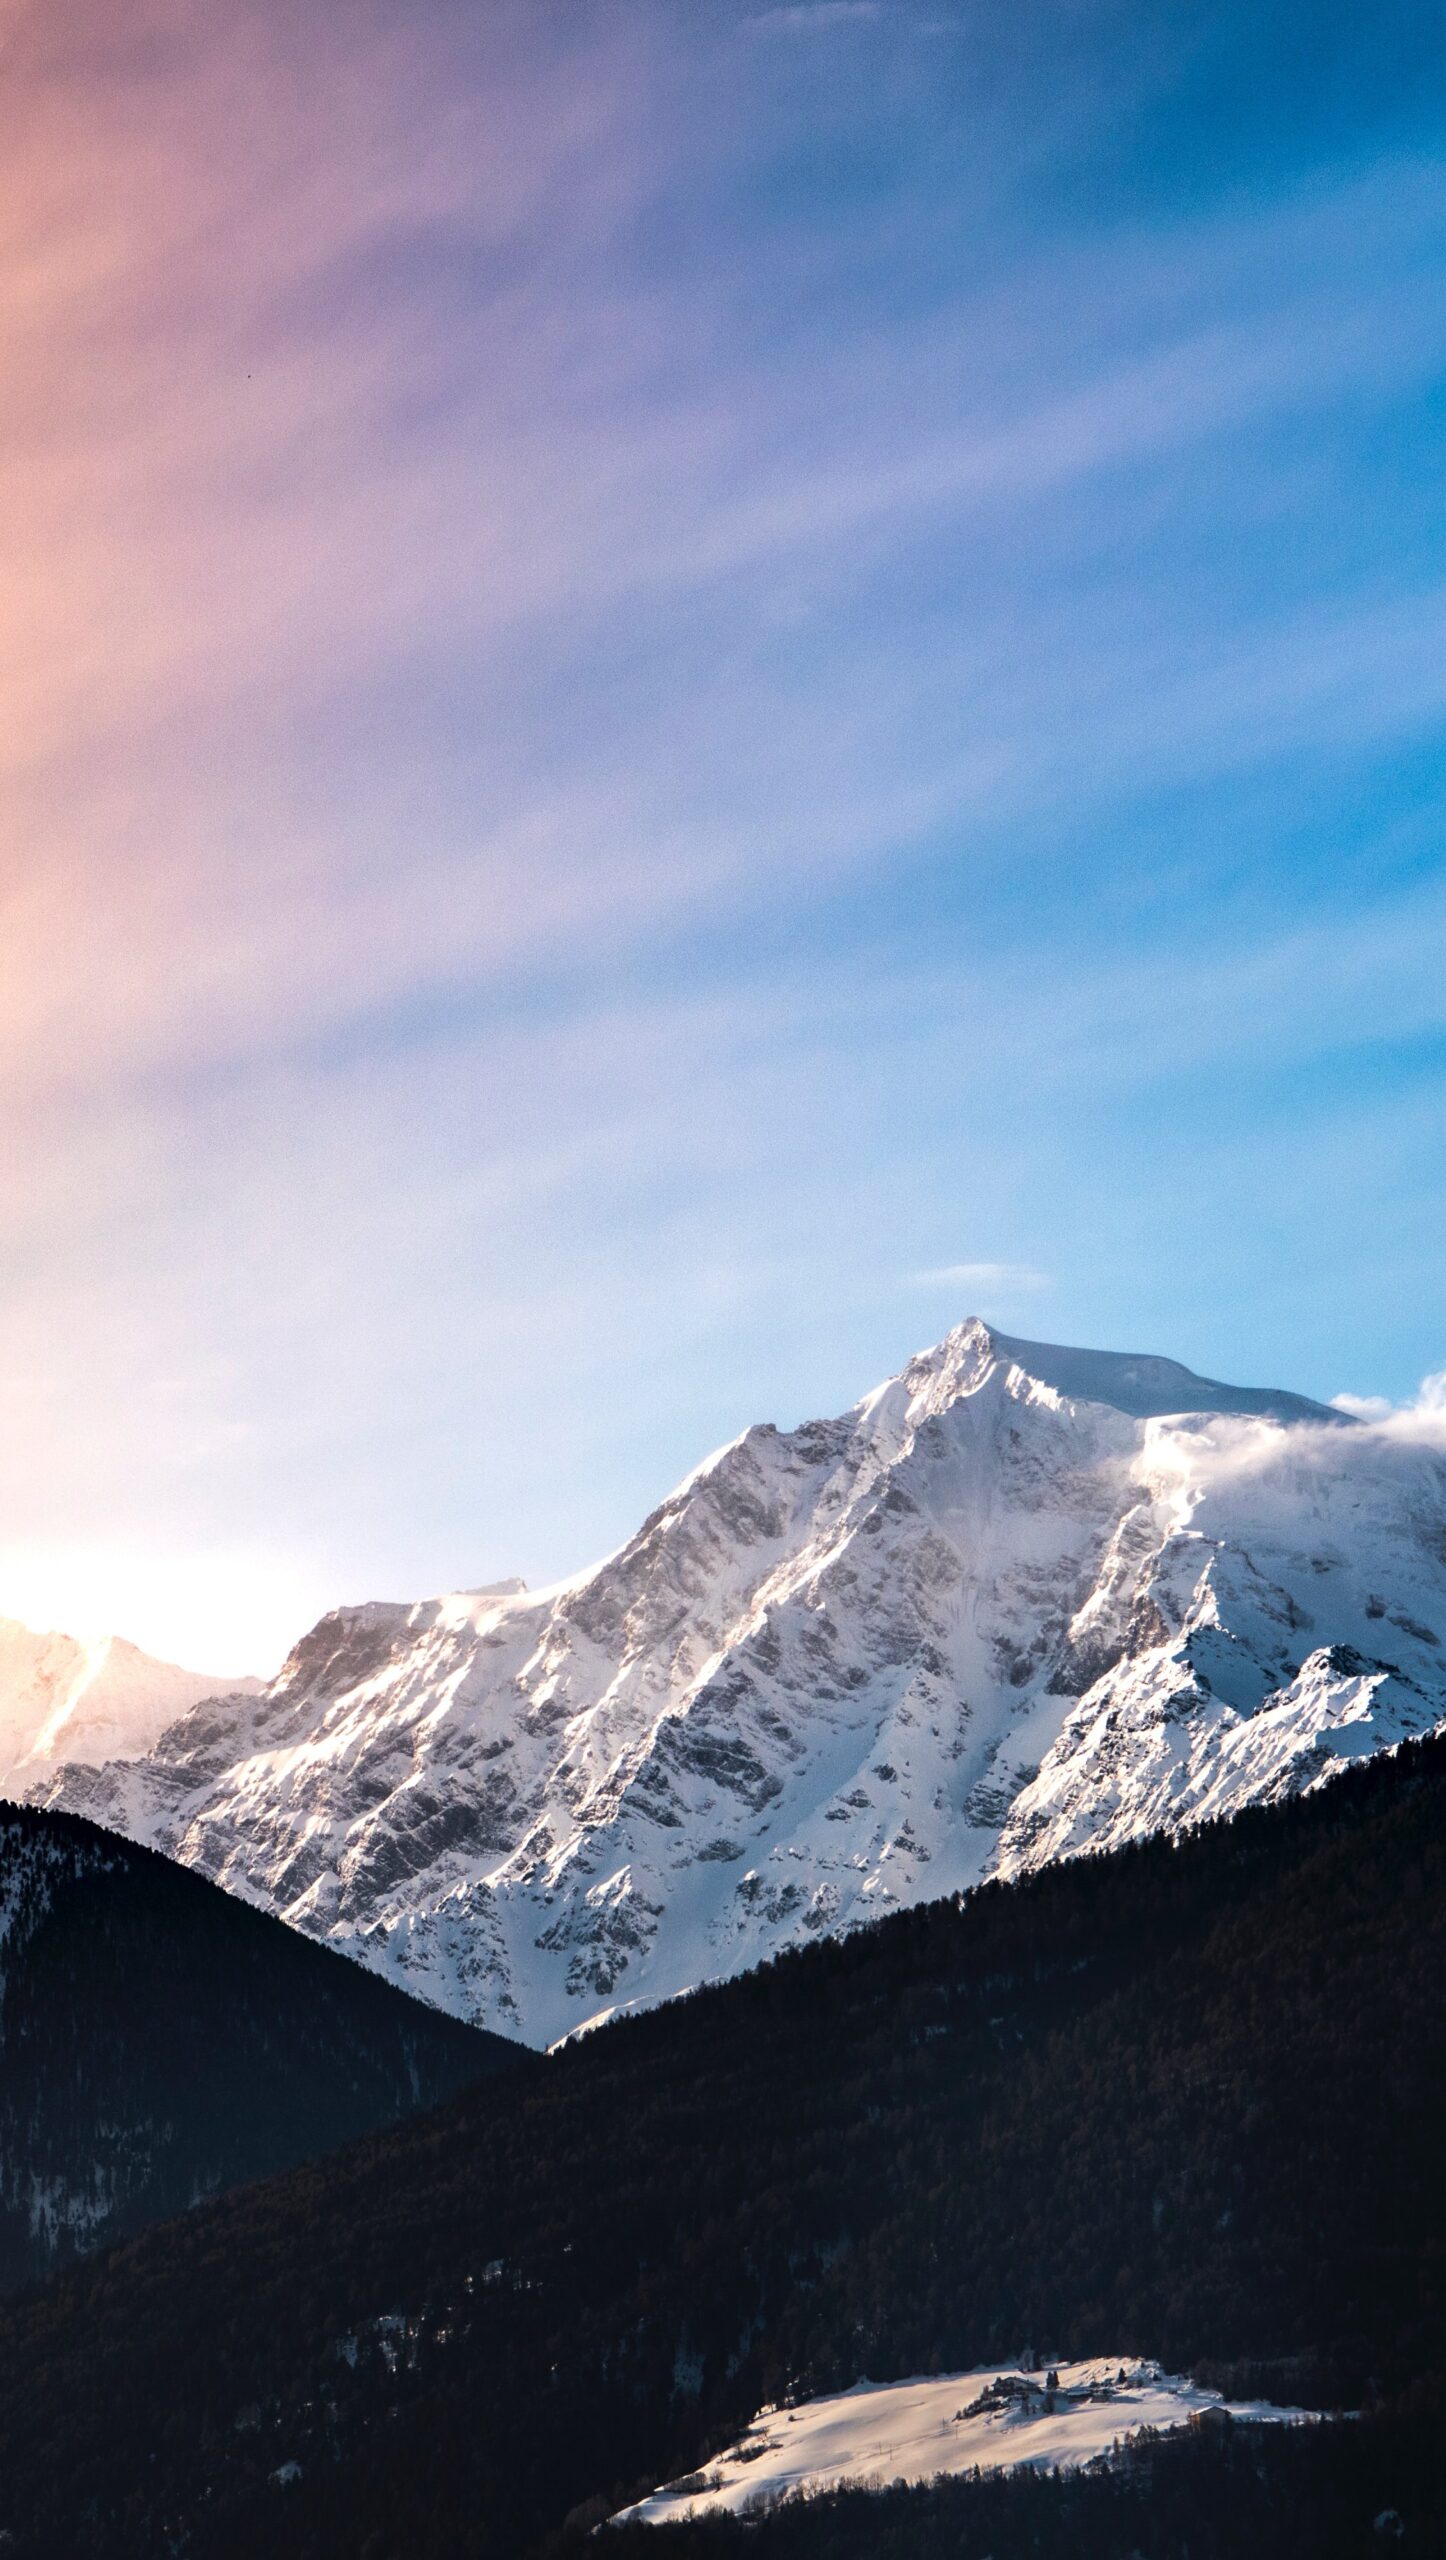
{"x":1022,"y":1601}
{"x":61,"y":1699}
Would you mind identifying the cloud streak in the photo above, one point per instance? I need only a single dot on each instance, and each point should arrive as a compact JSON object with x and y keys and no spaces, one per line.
{"x":606,"y":642}
{"x":274,"y":501}
{"x":1419,"y":1417}
{"x":1012,"y":1278}
{"x":813,"y":17}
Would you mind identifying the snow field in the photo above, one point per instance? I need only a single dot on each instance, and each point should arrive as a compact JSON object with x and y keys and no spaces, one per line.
{"x":994,"y":2418}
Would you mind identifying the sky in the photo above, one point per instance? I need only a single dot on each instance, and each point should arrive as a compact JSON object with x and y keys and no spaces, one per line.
{"x":689,"y":688}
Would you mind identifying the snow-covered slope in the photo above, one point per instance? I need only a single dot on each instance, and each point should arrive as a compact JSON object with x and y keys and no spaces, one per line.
{"x":1021,"y":1601}
{"x":61,"y":1699}
{"x":935,"y":2425}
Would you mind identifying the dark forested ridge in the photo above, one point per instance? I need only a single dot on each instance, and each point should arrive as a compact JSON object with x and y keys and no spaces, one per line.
{"x":1360,"y":2489}
{"x":160,"y":2041}
{"x":1185,"y":2101}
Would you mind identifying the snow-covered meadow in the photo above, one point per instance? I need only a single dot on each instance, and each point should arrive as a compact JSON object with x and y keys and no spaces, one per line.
{"x":994,"y":2419}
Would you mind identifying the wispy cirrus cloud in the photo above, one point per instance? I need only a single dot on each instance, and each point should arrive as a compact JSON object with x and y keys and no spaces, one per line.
{"x":812,"y":17}
{"x":625,"y":675}
{"x":1010,"y":1279}
{"x":320,"y":377}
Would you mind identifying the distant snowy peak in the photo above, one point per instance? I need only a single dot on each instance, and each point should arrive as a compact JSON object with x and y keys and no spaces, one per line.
{"x":1019,"y":1602}
{"x":64,"y":1699}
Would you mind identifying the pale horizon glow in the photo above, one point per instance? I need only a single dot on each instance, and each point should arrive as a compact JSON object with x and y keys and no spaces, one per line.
{"x":234,"y":1616}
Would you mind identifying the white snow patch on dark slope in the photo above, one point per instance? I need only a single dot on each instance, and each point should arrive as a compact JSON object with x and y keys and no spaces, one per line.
{"x":992,"y":2419}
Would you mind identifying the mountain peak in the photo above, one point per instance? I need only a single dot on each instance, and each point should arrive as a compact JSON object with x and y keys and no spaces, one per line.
{"x":1016,"y":1604}
{"x":1142,"y":1384}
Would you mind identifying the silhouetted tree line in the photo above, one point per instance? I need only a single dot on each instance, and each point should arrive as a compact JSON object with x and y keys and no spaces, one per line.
{"x":1212,"y":2491}
{"x":160,"y":2041}
{"x":1184,"y":2101}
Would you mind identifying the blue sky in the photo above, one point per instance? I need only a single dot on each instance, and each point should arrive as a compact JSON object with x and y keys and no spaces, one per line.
{"x":690,"y":689}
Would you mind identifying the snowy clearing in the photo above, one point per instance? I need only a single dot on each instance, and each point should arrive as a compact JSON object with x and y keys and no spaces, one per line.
{"x":997,"y":2418}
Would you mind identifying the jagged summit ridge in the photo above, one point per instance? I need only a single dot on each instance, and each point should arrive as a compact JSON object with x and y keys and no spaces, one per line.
{"x":1145,"y":1385}
{"x":994,"y":1614}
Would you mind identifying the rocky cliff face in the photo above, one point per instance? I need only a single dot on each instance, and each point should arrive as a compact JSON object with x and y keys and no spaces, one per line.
{"x":1020,"y":1602}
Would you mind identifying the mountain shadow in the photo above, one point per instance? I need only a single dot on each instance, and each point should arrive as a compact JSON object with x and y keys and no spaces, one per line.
{"x":160,"y":2041}
{"x":1183,"y":2101}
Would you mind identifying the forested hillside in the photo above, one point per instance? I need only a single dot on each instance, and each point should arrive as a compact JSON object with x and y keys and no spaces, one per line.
{"x":1354,"y":2490}
{"x":160,"y":2040}
{"x":1185,"y":2101}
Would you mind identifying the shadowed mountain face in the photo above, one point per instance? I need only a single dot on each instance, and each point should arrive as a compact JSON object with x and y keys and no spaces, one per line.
{"x":1020,"y":1602}
{"x":1179,"y":2102}
{"x":159,"y":2041}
